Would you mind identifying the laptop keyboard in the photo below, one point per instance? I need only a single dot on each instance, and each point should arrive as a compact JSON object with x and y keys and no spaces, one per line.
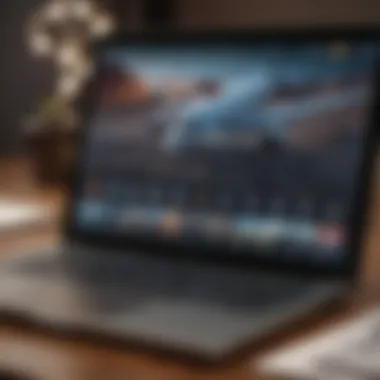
{"x":139,"y":278}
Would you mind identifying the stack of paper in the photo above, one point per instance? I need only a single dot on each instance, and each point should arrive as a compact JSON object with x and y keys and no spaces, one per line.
{"x":15,"y":214}
{"x":351,"y":350}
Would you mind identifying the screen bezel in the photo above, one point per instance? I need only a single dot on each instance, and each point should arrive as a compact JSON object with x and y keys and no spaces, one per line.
{"x":87,"y":104}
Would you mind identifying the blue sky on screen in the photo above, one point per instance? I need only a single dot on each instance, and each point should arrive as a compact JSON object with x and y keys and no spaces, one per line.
{"x":245,"y":73}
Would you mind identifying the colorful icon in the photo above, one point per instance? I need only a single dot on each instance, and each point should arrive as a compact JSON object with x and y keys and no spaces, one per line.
{"x":92,"y":210}
{"x":140,"y":218}
{"x":246,"y":228}
{"x":331,"y":235}
{"x":216,"y":226}
{"x":132,"y":218}
{"x":261,"y":232}
{"x":171,"y":224}
{"x":270,"y":232}
{"x":300,"y":233}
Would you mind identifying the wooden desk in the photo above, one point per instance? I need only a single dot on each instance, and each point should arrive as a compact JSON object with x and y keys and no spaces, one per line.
{"x":57,"y":358}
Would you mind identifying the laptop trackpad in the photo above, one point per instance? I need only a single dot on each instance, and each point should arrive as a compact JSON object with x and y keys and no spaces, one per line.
{"x":203,"y":327}
{"x":179,"y":323}
{"x":186,"y":324}
{"x":62,"y":304}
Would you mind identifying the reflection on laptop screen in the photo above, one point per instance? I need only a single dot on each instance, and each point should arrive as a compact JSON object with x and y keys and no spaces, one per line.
{"x":244,"y":148}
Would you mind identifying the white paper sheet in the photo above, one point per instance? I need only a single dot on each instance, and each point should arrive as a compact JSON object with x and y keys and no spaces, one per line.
{"x":302,"y":359}
{"x":15,"y":214}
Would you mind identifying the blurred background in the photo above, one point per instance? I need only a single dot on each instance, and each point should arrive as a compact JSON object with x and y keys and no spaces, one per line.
{"x":44,"y":65}
{"x":45,"y":62}
{"x":27,"y":80}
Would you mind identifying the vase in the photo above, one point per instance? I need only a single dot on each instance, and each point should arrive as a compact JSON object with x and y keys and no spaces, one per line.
{"x":51,"y":153}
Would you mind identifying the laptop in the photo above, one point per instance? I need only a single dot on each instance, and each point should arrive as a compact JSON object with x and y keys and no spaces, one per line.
{"x":219,"y":191}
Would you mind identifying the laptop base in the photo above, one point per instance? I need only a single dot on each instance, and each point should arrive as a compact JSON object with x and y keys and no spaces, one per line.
{"x":180,"y":322}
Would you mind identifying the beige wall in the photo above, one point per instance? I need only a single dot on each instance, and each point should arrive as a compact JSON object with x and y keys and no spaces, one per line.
{"x":248,"y":13}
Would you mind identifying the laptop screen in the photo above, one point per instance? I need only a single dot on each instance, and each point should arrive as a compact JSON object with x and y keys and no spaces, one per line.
{"x":250,"y":149}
